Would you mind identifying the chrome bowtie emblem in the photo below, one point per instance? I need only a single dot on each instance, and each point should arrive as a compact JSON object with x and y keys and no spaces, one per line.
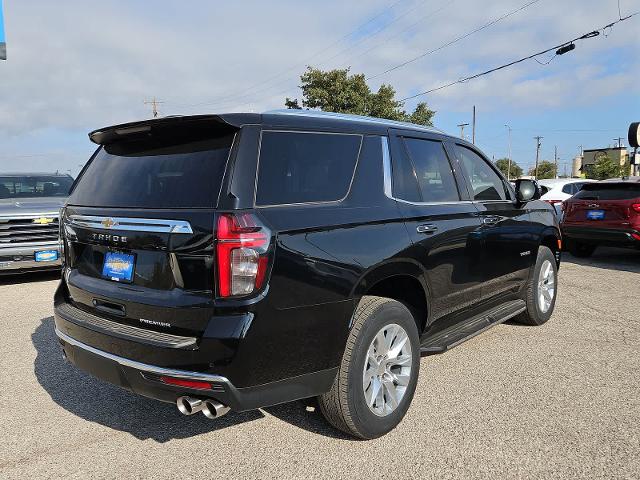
{"x":108,"y":222}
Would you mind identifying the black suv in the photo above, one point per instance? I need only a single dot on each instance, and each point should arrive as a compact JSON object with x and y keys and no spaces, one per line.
{"x":243,"y":260}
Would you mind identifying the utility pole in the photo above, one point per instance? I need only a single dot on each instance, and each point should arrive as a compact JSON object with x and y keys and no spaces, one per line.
{"x":462,"y":125}
{"x":154,"y":106}
{"x":555,"y":156}
{"x":538,"y":144}
{"x":473,"y":129}
{"x":509,"y":168}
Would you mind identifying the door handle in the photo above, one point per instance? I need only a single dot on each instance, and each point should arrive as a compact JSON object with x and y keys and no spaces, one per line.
{"x":427,"y":228}
{"x":491,"y":219}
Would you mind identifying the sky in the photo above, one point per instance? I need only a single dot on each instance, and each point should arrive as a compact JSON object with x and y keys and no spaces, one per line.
{"x":79,"y":65}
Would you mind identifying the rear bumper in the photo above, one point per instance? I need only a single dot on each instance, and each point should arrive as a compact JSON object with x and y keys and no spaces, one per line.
{"x":17,"y":259}
{"x":143,"y":379}
{"x":601,"y":236}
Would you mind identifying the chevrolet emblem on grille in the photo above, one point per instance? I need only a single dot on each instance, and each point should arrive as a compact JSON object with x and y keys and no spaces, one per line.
{"x":108,"y":222}
{"x":43,"y":220}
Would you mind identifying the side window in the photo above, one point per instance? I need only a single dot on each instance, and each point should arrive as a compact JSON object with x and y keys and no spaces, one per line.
{"x":299,"y":167}
{"x":484,"y":181}
{"x":433,"y":170}
{"x":569,"y":189}
{"x":405,"y":184}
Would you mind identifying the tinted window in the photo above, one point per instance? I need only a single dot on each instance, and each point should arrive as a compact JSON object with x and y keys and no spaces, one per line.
{"x":611,"y":191}
{"x":305,"y":167}
{"x":433,"y":170}
{"x":27,"y":186}
{"x":155,"y":173}
{"x":405,"y":183}
{"x":543,"y":189}
{"x":484,"y":181}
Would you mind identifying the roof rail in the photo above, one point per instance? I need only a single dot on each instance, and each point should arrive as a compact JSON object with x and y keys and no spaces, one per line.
{"x":352,"y":118}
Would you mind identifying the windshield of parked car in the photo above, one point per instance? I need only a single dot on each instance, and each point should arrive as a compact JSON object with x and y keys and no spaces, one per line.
{"x":30,"y":186}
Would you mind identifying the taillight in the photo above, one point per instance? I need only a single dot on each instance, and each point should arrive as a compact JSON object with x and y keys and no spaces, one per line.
{"x":553,"y":202}
{"x":242,"y":253}
{"x":636,"y":207}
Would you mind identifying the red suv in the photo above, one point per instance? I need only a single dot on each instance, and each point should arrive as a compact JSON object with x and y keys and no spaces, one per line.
{"x":604,"y":213}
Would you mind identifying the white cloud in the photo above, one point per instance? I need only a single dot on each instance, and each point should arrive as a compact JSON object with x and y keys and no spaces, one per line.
{"x":78,"y":65}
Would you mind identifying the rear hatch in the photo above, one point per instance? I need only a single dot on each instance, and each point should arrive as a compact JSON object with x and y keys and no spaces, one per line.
{"x":139,"y":226}
{"x":604,"y":205}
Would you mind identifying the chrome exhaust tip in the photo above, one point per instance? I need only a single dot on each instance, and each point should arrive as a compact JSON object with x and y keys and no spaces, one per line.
{"x":214,"y":409}
{"x":189,"y":405}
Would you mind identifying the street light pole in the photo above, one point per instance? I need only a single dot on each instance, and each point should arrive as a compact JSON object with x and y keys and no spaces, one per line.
{"x":509,"y":168}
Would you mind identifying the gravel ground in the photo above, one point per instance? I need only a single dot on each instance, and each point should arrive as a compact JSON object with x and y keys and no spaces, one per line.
{"x":558,"y":401}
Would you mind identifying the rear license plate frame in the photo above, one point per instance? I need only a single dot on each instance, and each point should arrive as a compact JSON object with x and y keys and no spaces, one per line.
{"x":121,"y":273}
{"x":595,"y":214}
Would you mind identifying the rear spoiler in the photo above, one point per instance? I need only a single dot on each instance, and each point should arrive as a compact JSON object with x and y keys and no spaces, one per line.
{"x":231,"y":122}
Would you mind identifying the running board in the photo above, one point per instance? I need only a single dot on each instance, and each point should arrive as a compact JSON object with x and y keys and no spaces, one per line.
{"x":462,"y":331}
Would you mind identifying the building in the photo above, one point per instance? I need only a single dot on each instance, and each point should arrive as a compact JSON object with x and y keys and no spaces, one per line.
{"x":591,"y":156}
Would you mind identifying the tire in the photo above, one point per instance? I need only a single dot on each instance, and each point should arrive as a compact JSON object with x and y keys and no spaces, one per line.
{"x":535,"y":314}
{"x":581,"y":250}
{"x":345,"y":405}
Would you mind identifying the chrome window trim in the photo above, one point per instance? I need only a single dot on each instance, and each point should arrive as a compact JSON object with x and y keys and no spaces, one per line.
{"x":142,"y":367}
{"x":386,"y":165}
{"x":155,"y":225}
{"x":321,"y":202}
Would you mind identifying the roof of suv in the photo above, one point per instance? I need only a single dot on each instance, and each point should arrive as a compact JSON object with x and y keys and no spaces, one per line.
{"x":623,"y":180}
{"x":276,"y":118}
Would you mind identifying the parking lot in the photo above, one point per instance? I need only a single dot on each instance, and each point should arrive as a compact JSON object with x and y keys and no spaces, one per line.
{"x":559,"y":401}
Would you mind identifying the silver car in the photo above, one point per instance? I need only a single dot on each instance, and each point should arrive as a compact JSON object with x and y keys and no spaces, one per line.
{"x":29,"y":231}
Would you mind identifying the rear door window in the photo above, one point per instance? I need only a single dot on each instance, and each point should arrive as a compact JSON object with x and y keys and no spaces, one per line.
{"x":301,"y":167}
{"x":484,"y":181}
{"x":155,"y":173}
{"x":433,"y":170}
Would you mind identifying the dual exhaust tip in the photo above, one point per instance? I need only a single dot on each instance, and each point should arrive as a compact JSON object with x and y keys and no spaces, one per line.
{"x":209,"y":407}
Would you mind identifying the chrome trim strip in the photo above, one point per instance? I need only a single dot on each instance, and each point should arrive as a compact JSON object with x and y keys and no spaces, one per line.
{"x":29,"y":216}
{"x":142,"y":367}
{"x":386,"y":165}
{"x":156,"y":225}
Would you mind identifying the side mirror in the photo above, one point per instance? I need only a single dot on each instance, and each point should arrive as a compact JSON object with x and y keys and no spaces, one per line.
{"x":527,"y":190}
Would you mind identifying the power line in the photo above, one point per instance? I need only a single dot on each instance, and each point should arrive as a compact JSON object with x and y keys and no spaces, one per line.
{"x":591,"y":34}
{"x":455,"y":40}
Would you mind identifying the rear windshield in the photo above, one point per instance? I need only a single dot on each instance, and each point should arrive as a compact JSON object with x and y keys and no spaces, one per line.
{"x":30,"y":186}
{"x":300,"y":167}
{"x":155,"y":173}
{"x":608,"y":191}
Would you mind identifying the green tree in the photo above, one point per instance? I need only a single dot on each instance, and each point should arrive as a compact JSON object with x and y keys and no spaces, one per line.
{"x":605,"y":168}
{"x":546,"y":169}
{"x":337,"y":91}
{"x":503,"y":166}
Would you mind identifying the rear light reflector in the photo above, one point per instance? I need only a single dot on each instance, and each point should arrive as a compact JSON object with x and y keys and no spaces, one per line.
{"x":241,"y":250}
{"x":636,"y":207}
{"x":181,"y":382}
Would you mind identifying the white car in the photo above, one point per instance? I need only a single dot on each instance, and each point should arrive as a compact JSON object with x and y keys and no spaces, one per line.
{"x":557,"y":190}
